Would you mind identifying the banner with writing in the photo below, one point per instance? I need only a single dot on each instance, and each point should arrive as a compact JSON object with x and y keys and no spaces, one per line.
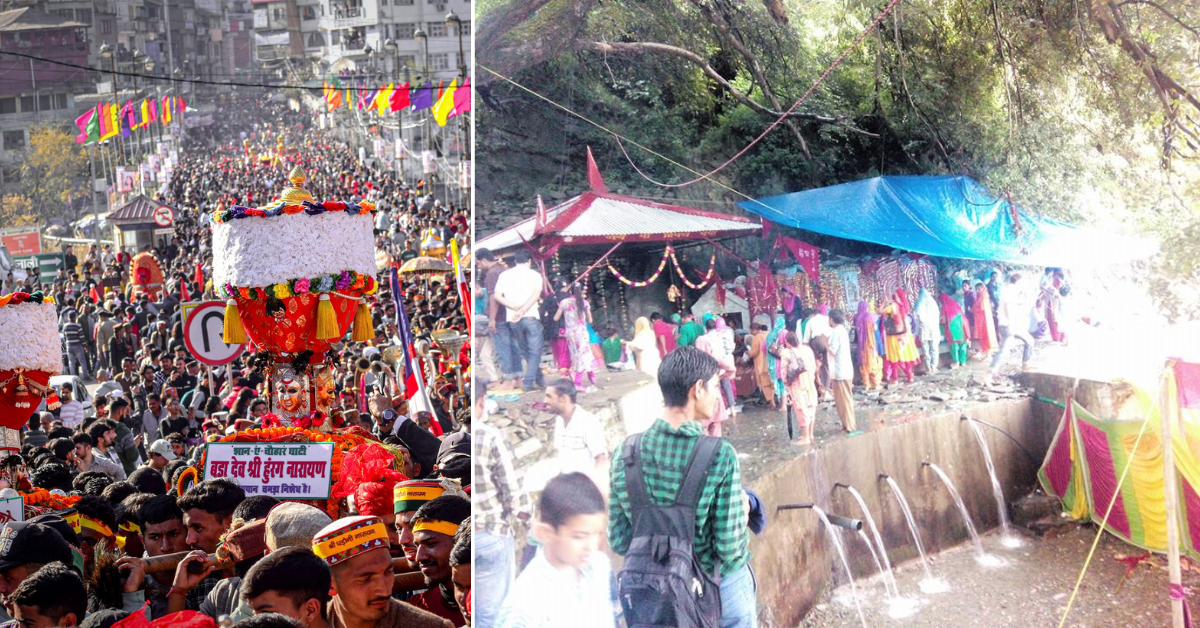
{"x":282,"y":470}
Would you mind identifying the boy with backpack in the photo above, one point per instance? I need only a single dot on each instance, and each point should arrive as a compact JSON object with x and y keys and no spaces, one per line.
{"x":678,"y":513}
{"x":569,"y":581}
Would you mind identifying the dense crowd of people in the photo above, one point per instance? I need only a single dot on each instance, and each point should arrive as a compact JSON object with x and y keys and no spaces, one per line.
{"x":537,"y":335}
{"x":138,"y":539}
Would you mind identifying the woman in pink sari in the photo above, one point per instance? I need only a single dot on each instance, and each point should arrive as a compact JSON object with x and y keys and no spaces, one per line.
{"x":713,"y":343}
{"x":576,"y":315}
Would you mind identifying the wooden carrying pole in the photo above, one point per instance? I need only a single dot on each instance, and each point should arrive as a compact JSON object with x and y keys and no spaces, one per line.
{"x":1167,"y":416}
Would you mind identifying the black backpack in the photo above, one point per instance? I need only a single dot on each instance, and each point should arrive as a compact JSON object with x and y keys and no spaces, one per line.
{"x":661,"y":583}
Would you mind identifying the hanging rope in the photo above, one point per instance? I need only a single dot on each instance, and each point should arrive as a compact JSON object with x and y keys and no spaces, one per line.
{"x":771,"y":127}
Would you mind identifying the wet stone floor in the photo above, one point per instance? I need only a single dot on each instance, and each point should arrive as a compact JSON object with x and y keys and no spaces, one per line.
{"x":1030,"y":588}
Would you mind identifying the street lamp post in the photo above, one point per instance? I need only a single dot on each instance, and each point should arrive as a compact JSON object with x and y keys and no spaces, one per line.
{"x":420,"y":35}
{"x":452,"y":19}
{"x":106,"y":52}
{"x":138,"y":58}
{"x":390,"y":46}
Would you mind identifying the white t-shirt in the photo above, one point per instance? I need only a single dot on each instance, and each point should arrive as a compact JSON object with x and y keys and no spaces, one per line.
{"x":519,"y":284}
{"x":579,"y":442}
{"x":818,"y":325}
{"x":841,"y":366}
{"x":543,"y":596}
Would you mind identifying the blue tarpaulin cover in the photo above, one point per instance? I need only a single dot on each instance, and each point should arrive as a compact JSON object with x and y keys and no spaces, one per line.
{"x":946,"y":216}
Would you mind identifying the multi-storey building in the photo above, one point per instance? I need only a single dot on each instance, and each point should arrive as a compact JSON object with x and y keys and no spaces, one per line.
{"x":32,"y":91}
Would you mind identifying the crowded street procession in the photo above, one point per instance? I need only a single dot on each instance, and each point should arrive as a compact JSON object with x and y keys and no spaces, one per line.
{"x":260,"y":418}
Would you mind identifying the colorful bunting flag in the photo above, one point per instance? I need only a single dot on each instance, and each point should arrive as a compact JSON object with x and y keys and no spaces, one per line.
{"x":462,"y":98}
{"x":89,"y":128}
{"x":422,"y":97}
{"x":400,"y":98}
{"x":445,"y":104}
{"x":383,"y":99}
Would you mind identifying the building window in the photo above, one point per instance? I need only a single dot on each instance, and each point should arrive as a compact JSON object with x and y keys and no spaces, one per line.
{"x":277,"y":14}
{"x":84,"y":15}
{"x":316,"y":40}
{"x":26,"y":104}
{"x":14,"y":140}
{"x":106,"y":27}
{"x":404,"y":31}
{"x":383,"y":3}
{"x":466,"y":27}
{"x":403,"y":3}
{"x":435,"y":29}
{"x":337,"y":37}
{"x":408,"y":61}
{"x":8,"y":105}
{"x":60,"y":101}
{"x":439,"y":62}
{"x":44,"y":102}
{"x":310,"y":13}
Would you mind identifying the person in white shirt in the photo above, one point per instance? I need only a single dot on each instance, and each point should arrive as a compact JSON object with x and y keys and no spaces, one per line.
{"x":841,"y":370}
{"x":578,"y":435}
{"x":569,"y":582}
{"x":815,"y":334}
{"x":519,"y":289}
{"x":71,"y":414}
{"x":1011,"y":317}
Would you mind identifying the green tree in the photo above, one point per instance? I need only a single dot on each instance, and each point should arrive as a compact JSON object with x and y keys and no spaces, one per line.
{"x":53,"y":168}
{"x":1082,"y":111}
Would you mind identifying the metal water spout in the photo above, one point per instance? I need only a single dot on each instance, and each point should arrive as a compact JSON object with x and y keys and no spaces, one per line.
{"x":853,"y":525}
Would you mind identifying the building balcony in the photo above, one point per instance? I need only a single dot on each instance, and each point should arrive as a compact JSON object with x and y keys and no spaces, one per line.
{"x":350,"y":18}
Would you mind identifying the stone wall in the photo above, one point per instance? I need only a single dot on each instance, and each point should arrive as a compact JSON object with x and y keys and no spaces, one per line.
{"x":792,"y":560}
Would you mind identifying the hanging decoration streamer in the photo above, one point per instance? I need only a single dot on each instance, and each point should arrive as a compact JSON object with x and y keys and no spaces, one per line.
{"x":641,"y":284}
{"x":704,"y":281}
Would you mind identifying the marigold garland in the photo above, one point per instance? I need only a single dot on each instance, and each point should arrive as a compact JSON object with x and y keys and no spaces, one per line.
{"x":641,"y":284}
{"x":712,"y":266}
{"x":43,"y":498}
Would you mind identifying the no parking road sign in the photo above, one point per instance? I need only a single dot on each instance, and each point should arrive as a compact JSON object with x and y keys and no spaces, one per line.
{"x":203,"y":334}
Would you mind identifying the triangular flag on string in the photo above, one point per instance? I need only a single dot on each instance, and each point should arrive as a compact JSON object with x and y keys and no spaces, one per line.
{"x":400,"y":98}
{"x":84,"y":122}
{"x":422,"y":97}
{"x":102,"y":114}
{"x":462,"y":98}
{"x":445,"y":104}
{"x":383,"y":99}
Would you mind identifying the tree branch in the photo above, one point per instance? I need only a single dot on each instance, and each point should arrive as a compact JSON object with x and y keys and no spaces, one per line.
{"x":696,"y":59}
{"x":1175,"y":18}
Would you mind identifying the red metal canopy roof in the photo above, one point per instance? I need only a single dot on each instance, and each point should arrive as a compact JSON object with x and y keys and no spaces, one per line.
{"x":599,"y":217}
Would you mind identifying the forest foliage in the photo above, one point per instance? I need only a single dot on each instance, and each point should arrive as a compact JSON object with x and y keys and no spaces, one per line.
{"x":1081,"y":110}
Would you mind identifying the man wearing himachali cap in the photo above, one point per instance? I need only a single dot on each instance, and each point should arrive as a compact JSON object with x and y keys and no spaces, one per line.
{"x":433,"y":527}
{"x":355,"y":548}
{"x":408,"y":497}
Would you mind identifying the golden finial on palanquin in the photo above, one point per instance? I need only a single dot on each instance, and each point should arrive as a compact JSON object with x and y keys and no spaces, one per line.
{"x":296,"y":192}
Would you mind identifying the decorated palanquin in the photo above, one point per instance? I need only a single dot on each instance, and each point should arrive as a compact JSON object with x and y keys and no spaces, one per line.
{"x":146,"y":276}
{"x":295,"y":274}
{"x":30,"y":353}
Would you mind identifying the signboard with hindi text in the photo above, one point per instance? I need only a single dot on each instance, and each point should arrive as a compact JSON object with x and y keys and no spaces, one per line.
{"x":281,"y":470}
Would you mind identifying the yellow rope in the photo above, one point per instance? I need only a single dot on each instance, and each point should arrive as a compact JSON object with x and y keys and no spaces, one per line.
{"x":1104,"y":522}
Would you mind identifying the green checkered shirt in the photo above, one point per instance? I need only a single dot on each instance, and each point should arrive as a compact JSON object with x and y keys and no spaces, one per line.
{"x":722,"y":536}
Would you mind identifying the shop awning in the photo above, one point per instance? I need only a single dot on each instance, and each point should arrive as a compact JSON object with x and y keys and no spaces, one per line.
{"x":947,"y":216}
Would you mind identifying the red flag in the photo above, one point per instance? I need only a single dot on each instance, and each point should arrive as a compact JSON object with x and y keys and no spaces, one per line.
{"x":94,"y":295}
{"x":399,"y":98}
{"x":807,"y":255}
{"x":200,"y":276}
{"x":595,"y":181}
{"x":183,"y":292}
